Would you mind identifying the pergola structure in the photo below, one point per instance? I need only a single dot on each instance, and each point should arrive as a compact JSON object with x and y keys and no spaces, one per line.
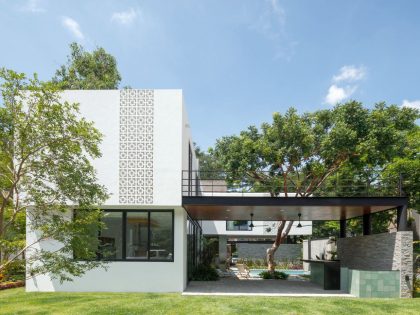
{"x":288,"y":208}
{"x":365,"y":262}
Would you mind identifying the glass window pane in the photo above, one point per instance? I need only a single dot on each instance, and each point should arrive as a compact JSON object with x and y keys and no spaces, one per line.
{"x":239,"y":225}
{"x":85,"y":244}
{"x":161,"y":236}
{"x":137,"y":235}
{"x":110,"y":239}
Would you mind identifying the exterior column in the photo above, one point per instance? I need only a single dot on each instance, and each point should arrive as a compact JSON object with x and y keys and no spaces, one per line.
{"x":343,"y":228}
{"x":222,"y":248}
{"x":367,"y":224}
{"x":402,"y":218}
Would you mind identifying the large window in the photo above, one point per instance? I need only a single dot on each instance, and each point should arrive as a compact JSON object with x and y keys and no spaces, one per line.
{"x":137,"y":235}
{"x":239,"y":225}
{"x":111,"y":238}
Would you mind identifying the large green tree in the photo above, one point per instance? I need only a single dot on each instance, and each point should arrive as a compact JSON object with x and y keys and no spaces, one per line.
{"x":45,"y":149}
{"x":96,"y":70}
{"x":298,"y":154}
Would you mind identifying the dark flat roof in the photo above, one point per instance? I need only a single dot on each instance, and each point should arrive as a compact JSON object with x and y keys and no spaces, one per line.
{"x":286,"y":208}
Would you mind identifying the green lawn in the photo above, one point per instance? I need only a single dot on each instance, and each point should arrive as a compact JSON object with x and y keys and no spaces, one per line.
{"x":16,"y":301}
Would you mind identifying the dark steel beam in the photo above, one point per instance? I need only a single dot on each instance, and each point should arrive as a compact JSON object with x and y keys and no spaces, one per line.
{"x":367,"y":224}
{"x":343,"y":228}
{"x":294,"y":201}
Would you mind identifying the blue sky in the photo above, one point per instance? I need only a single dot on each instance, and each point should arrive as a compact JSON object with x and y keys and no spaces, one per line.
{"x":237,"y":61}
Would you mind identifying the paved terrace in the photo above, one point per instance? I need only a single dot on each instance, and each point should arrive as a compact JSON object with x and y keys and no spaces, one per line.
{"x":235,"y":287}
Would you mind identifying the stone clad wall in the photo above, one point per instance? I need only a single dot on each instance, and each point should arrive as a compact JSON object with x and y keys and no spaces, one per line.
{"x":258,"y":251}
{"x":380,"y":252}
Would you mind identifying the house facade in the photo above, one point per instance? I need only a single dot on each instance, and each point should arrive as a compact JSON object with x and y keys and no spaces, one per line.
{"x":146,"y":145}
{"x":159,"y":208}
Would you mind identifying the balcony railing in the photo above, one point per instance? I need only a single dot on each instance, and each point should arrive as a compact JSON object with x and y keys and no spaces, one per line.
{"x":267,"y":183}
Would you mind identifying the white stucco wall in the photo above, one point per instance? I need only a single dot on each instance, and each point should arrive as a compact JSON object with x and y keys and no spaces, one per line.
{"x":102,"y":107}
{"x":171,"y":135}
{"x":125,"y":276}
{"x":168,"y":147}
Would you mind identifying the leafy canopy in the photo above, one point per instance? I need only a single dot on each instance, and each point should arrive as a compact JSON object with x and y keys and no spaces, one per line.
{"x":45,"y":152}
{"x":298,"y":153}
{"x":88,"y":71}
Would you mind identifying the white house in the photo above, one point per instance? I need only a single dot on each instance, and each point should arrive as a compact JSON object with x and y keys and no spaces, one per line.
{"x":147,"y":143}
{"x":158,"y":207}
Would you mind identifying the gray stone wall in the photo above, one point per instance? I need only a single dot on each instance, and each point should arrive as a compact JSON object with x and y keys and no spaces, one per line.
{"x":387,"y":251}
{"x":313,"y":248}
{"x":258,"y":251}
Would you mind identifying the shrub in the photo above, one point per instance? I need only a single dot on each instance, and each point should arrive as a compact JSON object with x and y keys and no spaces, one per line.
{"x":274,"y":275}
{"x":9,"y":285}
{"x":16,"y":267}
{"x":204,"y":273}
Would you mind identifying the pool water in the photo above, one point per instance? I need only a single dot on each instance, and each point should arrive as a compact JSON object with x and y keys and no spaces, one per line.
{"x":254,"y":273}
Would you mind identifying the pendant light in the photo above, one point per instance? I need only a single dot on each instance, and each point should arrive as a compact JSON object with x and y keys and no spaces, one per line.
{"x":299,"y":225}
{"x":252,"y":224}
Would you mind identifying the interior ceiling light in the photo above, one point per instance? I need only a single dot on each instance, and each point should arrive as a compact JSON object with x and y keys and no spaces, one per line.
{"x":299,"y":225}
{"x":252,"y":224}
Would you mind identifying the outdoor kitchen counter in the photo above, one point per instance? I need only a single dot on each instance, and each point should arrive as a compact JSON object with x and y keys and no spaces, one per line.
{"x":325,"y":273}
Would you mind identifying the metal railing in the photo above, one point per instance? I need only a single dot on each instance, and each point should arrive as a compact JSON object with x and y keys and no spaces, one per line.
{"x":267,"y":183}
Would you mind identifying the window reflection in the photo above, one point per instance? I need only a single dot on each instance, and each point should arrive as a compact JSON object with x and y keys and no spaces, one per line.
{"x":137,"y":235}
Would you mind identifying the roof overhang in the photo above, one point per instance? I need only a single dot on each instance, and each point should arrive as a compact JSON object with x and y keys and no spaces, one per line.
{"x":287,"y":208}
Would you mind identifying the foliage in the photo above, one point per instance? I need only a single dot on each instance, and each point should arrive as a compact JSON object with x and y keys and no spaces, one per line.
{"x":210,"y":250}
{"x":12,"y":284}
{"x":209,"y":166}
{"x":273,"y":275}
{"x":416,"y":267}
{"x":88,"y":71}
{"x":204,"y":273}
{"x":408,"y":164}
{"x":297,"y":154}
{"x":46,"y":150}
{"x":283,"y":264}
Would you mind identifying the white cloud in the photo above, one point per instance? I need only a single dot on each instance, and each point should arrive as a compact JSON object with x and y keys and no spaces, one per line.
{"x":32,"y":6}
{"x":269,"y":20}
{"x":125,"y":17}
{"x":344,"y":84}
{"x":412,"y":104}
{"x":337,"y":94}
{"x":72,"y":26}
{"x":350,"y":74}
{"x":278,"y":11}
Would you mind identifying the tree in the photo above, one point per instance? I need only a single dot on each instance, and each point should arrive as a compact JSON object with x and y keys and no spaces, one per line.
{"x":209,"y":166}
{"x":298,"y":154}
{"x":408,"y":164}
{"x":45,"y":148}
{"x":85,"y":70}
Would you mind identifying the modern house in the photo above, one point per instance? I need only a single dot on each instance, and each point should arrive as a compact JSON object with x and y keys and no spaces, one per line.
{"x":158,"y":207}
{"x":245,"y":239}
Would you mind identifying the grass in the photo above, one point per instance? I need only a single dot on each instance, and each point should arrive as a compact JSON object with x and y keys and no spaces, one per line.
{"x":16,"y":301}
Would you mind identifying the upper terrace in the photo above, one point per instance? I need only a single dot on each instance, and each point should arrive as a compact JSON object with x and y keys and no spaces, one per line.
{"x":224,"y":196}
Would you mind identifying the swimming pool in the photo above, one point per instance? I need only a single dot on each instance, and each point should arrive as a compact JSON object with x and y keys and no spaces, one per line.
{"x":254,"y":273}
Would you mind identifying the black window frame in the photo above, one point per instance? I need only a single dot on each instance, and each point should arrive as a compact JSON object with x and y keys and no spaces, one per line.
{"x":124,"y":235}
{"x":238,"y":230}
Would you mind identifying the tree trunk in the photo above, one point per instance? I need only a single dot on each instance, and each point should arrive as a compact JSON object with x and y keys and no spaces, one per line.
{"x":1,"y":234}
{"x":279,"y":239}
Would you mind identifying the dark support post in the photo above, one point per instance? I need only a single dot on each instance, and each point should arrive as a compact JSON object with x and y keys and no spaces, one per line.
{"x":402,"y":218}
{"x":343,"y":228}
{"x":367,"y":224}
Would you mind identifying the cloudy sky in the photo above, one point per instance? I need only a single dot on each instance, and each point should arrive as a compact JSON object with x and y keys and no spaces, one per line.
{"x":237,"y":61}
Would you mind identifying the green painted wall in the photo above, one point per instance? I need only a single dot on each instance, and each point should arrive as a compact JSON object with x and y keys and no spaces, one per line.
{"x":364,"y":283}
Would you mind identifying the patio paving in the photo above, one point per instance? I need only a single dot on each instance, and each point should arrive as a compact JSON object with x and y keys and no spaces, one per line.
{"x":235,"y":287}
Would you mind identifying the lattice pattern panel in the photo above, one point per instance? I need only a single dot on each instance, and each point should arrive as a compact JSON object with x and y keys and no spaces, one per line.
{"x":136,"y":147}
